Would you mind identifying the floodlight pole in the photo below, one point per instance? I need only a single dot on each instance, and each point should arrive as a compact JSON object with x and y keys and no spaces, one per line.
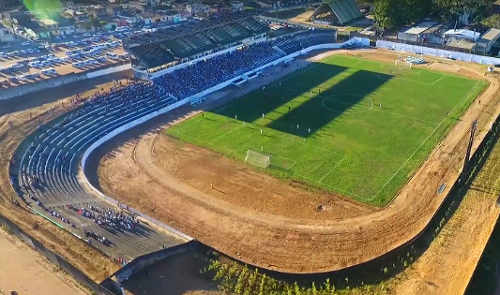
{"x":469,"y":146}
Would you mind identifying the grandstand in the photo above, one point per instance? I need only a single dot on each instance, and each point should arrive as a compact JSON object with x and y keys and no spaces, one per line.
{"x":337,"y":12}
{"x":175,"y":45}
{"x":304,"y":39}
{"x":45,"y":171}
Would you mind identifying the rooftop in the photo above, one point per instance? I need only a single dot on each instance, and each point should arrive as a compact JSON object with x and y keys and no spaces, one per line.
{"x":461,"y":43}
{"x":420,"y":28}
{"x":491,"y":35}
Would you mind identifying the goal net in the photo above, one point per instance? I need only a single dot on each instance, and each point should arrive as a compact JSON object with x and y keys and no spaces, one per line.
{"x":400,"y":67}
{"x":258,"y":159}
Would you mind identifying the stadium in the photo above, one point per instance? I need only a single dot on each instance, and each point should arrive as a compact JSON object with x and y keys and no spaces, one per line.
{"x":285,"y":149}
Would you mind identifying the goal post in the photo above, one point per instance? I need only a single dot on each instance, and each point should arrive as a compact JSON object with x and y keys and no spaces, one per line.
{"x":258,"y":159}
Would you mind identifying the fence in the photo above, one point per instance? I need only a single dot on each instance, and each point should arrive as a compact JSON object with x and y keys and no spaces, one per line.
{"x":79,"y":276}
{"x":415,"y":49}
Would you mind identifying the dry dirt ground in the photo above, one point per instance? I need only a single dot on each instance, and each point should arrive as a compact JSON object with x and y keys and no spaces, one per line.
{"x":27,"y":272}
{"x":444,"y":268}
{"x":447,"y":266}
{"x":276,"y":225}
{"x":15,"y":125}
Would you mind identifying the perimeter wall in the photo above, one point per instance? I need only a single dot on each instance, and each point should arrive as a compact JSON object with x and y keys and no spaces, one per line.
{"x":467,"y":57}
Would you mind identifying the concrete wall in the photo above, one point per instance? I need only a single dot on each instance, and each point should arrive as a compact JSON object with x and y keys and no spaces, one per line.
{"x":79,"y":276}
{"x":467,"y":57}
{"x":58,"y":81}
{"x":142,"y":262}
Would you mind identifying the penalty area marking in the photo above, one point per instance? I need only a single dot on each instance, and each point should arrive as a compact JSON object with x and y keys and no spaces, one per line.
{"x":418,"y":148}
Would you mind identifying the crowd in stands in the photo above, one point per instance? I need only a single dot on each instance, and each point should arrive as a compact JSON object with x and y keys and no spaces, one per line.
{"x":118,"y":95}
{"x":304,"y":40}
{"x":107,"y":217}
{"x":207,"y":73}
{"x":175,"y":45}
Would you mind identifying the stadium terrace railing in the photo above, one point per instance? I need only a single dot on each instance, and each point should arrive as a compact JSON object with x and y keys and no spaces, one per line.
{"x":415,"y":49}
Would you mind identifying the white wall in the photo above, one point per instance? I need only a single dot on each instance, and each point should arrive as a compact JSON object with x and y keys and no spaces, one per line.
{"x":485,"y":60}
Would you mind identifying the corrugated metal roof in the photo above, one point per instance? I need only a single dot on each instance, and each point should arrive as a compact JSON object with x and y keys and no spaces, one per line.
{"x":420,"y":28}
{"x":491,"y":35}
{"x":344,"y":10}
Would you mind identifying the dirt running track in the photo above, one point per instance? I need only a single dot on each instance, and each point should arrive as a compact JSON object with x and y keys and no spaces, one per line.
{"x":276,"y":225}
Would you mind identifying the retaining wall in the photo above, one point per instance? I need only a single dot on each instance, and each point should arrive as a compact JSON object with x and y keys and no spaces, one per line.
{"x":467,"y":57}
{"x":58,"y":81}
{"x":141,"y":262}
{"x":79,"y":276}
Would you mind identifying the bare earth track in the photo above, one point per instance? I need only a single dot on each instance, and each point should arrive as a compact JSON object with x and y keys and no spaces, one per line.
{"x":276,"y":225}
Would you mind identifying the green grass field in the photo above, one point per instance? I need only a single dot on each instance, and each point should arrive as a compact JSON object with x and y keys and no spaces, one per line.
{"x":346,"y":125}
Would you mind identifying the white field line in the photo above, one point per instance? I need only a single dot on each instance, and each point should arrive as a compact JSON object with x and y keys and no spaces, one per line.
{"x":419,"y":147}
{"x":334,"y":167}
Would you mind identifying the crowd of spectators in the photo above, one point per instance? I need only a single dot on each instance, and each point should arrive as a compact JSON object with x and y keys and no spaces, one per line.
{"x":107,"y":217}
{"x":304,"y":40}
{"x":207,"y":73}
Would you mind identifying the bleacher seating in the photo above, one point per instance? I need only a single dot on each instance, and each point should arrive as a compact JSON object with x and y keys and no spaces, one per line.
{"x":304,"y":40}
{"x":205,"y":74}
{"x":192,"y":39}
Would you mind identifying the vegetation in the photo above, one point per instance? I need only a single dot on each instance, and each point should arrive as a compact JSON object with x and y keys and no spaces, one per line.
{"x":493,"y":21}
{"x":346,"y":125}
{"x":394,"y":13}
{"x":235,"y":278}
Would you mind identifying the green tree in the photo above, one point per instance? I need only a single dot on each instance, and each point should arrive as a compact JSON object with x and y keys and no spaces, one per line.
{"x":391,"y":14}
{"x":468,"y":10}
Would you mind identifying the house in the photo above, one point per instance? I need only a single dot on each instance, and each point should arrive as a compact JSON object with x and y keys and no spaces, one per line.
{"x":462,"y":34}
{"x":434,"y":35}
{"x":5,"y":36}
{"x":336,"y":12}
{"x":487,"y":40}
{"x":196,"y":9}
{"x":237,"y":6}
{"x":415,"y":33}
{"x":463,"y":45}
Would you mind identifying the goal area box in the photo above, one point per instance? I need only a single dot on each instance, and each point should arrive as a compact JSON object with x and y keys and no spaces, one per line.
{"x":258,"y":159}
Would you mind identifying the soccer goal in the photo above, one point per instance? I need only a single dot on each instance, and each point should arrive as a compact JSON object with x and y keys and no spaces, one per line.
{"x":400,"y":67}
{"x":258,"y":159}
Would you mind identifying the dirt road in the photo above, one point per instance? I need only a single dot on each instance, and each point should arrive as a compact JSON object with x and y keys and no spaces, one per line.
{"x":223,"y":204}
{"x":27,"y":272}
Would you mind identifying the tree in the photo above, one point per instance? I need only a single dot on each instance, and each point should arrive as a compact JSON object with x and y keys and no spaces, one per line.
{"x":463,"y":10}
{"x":394,"y":13}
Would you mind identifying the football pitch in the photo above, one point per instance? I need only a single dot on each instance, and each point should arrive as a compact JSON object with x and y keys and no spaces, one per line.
{"x":347,"y":125}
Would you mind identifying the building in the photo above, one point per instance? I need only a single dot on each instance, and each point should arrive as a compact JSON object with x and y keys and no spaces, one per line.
{"x":462,"y":34}
{"x":434,"y":35}
{"x":5,"y":36}
{"x":487,"y":40}
{"x":197,"y":9}
{"x":415,"y":34}
{"x":462,"y":45}
{"x":336,"y":12}
{"x":237,"y":6}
